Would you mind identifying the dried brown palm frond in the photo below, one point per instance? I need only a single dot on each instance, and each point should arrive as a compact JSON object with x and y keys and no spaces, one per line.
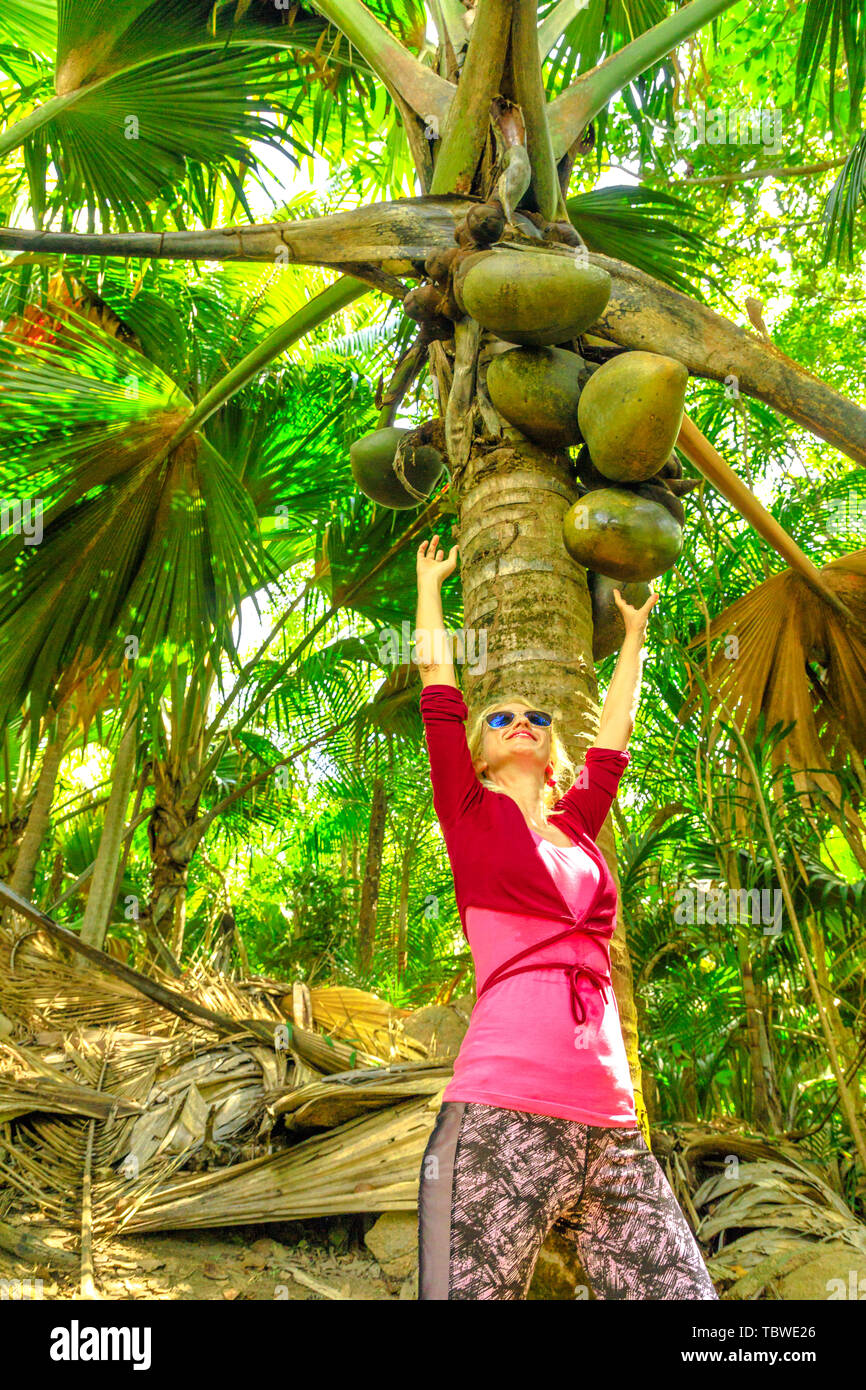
{"x":28,"y":1083}
{"x":795,"y":660}
{"x":45,"y":1155}
{"x":369,"y":1164}
{"x":760,"y":1206}
{"x":41,"y":989}
{"x":162,"y":1102}
{"x":121,"y":1080}
{"x":783,"y":1215}
{"x":327,"y":1103}
{"x":339,"y":1002}
{"x":356,"y":1014}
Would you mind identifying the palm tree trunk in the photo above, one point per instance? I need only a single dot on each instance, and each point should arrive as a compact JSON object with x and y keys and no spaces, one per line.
{"x":372,"y":876}
{"x":104,"y":878}
{"x":766,"y":1107}
{"x":356,"y":873}
{"x":528,"y":603}
{"x":174,"y":835}
{"x":40,"y":812}
{"x":403,"y":910}
{"x":846,"y":1042}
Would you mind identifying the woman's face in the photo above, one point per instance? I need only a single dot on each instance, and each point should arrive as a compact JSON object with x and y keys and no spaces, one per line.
{"x":516,"y":744}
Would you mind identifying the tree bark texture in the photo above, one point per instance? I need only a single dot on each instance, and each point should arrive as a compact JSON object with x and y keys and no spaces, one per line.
{"x":173,"y":835}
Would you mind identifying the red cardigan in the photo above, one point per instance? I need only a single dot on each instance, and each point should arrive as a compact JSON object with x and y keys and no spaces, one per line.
{"x":494,"y":858}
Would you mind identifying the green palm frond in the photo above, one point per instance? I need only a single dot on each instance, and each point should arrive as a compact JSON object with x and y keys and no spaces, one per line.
{"x":63,"y":375}
{"x":844,"y":23}
{"x":599,"y":29}
{"x":366,"y":347}
{"x":149,"y":91}
{"x":30,"y":25}
{"x":371,"y":562}
{"x":128,"y":126}
{"x":292,"y":447}
{"x":840,"y":209}
{"x":135,"y":546}
{"x":88,"y":420}
{"x":326,"y":687}
{"x":639,"y":851}
{"x":130,"y":139}
{"x":829,"y":895}
{"x":394,"y":709}
{"x":645,"y":228}
{"x":687,"y":1014}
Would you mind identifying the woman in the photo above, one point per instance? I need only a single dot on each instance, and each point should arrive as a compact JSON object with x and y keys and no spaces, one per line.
{"x":537,"y":1125}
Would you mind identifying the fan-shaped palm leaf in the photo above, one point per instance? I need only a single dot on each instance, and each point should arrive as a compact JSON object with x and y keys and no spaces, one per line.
{"x":145,"y":91}
{"x":135,"y":544}
{"x":799,"y":664}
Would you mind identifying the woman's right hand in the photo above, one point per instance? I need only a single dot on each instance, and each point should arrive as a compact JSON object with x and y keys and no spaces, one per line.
{"x":431,"y":565}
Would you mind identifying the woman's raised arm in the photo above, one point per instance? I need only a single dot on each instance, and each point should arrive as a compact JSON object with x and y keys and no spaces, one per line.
{"x":620,"y":706}
{"x":434,"y":654}
{"x":456,"y":789}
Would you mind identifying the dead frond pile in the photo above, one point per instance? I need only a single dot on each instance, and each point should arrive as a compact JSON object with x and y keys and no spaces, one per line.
{"x":201,"y":1102}
{"x":759,"y":1206}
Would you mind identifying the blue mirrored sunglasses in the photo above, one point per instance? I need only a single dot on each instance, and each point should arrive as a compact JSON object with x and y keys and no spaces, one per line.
{"x":503,"y":717}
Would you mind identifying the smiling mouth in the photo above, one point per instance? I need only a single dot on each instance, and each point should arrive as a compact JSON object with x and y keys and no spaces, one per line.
{"x":522,"y":733}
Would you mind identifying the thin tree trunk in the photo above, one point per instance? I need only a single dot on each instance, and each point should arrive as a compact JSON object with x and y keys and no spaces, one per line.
{"x":174,"y":835}
{"x":403,"y":910}
{"x":40,"y":812}
{"x":690,"y":1091}
{"x":372,"y":876}
{"x":527,"y":600}
{"x":356,"y":875}
{"x":13,"y":822}
{"x":649,"y":1086}
{"x":846,"y":1100}
{"x":104,"y":878}
{"x":344,"y":872}
{"x":766,"y":1107}
{"x":846,"y":1043}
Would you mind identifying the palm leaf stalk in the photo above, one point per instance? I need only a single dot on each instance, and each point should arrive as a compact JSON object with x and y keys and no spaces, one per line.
{"x":570,"y":113}
{"x":642,"y":312}
{"x":845,"y":1097}
{"x":708,"y":461}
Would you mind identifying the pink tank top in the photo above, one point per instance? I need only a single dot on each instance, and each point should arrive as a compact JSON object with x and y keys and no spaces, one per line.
{"x":525,"y":1049}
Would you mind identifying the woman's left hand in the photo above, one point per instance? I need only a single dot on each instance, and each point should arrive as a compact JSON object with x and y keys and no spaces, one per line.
{"x":635,"y":619}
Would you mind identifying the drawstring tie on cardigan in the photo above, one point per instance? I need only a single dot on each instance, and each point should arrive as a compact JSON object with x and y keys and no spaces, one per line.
{"x":574,"y":970}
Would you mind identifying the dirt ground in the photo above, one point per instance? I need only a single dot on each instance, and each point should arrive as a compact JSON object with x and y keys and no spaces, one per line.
{"x":295,"y":1261}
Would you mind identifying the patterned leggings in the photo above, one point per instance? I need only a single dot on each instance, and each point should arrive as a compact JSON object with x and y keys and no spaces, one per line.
{"x":494,"y":1182}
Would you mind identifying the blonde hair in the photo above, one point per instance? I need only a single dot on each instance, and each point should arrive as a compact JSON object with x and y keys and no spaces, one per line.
{"x":562,"y":766}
